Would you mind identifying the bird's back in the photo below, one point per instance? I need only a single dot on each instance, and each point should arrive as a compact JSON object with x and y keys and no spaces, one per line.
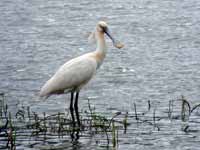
{"x":72,"y":75}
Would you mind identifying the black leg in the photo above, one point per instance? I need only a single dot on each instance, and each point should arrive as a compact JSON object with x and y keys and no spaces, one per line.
{"x":71,"y":108}
{"x":76,"y":108}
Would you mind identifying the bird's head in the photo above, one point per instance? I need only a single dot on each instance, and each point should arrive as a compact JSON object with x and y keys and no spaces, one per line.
{"x":101,"y":28}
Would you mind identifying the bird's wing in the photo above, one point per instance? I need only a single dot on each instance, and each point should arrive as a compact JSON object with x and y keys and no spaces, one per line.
{"x":73,"y":74}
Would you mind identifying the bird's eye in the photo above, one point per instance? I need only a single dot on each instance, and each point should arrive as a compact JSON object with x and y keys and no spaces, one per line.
{"x":102,"y":27}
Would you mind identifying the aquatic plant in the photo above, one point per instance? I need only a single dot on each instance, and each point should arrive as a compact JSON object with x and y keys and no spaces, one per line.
{"x":43,"y":126}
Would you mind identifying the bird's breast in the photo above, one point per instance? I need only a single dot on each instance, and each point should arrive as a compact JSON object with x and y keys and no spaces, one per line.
{"x":99,"y":57}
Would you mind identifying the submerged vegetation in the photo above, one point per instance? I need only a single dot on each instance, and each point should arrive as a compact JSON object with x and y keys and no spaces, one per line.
{"x":29,"y":129}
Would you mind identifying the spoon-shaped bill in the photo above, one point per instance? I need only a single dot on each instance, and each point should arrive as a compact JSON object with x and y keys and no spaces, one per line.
{"x":116,"y":43}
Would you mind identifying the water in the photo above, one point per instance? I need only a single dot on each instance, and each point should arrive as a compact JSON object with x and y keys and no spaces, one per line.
{"x":160,"y":60}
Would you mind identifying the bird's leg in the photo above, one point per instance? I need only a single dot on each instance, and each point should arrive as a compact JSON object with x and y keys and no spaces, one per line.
{"x":76,"y":108}
{"x":71,"y":108}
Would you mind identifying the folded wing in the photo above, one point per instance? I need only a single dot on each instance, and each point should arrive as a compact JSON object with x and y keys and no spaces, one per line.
{"x":70,"y":76}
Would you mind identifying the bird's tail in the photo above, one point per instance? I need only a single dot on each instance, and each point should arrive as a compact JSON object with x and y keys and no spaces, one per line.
{"x":37,"y":97}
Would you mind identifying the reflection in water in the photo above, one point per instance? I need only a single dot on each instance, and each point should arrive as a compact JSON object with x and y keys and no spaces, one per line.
{"x":75,"y":134}
{"x":160,"y":63}
{"x":57,"y":131}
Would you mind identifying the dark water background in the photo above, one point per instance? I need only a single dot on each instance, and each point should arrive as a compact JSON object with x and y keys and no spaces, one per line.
{"x":160,"y":61}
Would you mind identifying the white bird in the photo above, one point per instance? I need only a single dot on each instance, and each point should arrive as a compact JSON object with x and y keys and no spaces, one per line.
{"x":75,"y":73}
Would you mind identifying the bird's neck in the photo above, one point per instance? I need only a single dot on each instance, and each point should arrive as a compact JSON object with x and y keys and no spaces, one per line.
{"x":101,"y":48}
{"x":101,"y":43}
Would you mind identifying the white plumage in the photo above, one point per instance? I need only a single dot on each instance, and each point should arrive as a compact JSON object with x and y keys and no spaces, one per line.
{"x":74,"y":74}
{"x":70,"y":76}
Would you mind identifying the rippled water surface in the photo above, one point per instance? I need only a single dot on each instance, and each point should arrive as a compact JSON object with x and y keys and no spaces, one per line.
{"x":160,"y":60}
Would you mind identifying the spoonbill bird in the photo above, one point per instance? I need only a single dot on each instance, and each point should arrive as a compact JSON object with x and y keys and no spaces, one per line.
{"x":75,"y":73}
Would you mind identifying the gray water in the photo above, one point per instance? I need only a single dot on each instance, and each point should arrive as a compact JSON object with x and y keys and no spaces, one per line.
{"x":160,"y":60}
